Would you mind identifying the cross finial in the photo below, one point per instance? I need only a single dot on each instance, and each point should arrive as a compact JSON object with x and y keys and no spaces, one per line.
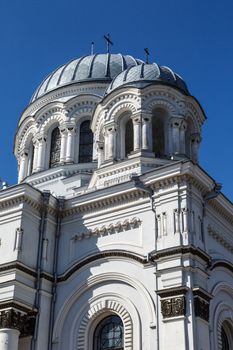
{"x":92,"y":48}
{"x":108,"y":41}
{"x":147,"y":54}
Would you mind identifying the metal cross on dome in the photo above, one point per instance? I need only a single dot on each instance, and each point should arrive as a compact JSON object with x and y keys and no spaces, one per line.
{"x":147,"y":54}
{"x":108,"y":41}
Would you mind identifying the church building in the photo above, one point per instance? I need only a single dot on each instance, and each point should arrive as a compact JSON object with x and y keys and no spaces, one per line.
{"x":114,"y":238}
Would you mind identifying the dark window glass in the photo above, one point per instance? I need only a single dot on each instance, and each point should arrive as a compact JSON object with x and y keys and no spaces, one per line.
{"x":55,"y":148}
{"x":225,"y":343}
{"x":128,"y":137}
{"x":85,"y":143}
{"x":32,"y":158}
{"x":109,"y":334}
{"x":158,"y":137}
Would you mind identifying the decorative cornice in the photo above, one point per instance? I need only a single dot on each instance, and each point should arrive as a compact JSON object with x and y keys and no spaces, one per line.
{"x":97,"y":204}
{"x":199,"y":292}
{"x":220,"y":237}
{"x":180,"y":250}
{"x":17,"y":266}
{"x":170,"y":292}
{"x":98,"y":256}
{"x":110,"y":229}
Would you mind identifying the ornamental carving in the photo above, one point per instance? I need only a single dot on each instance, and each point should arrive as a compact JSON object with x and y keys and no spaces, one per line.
{"x":173,"y":307}
{"x":201,"y":308}
{"x":24,"y":323}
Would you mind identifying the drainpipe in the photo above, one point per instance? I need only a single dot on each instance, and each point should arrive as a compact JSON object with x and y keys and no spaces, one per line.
{"x":140,"y":185}
{"x":60,"y":206}
{"x":42,"y":228}
{"x":210,"y":195}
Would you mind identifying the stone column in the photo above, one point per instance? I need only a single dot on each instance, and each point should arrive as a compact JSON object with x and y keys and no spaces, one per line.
{"x":41,"y":153}
{"x":70,"y":145}
{"x":137,"y":132}
{"x":23,"y":165}
{"x":12,"y":323}
{"x":63,"y":132}
{"x":195,"y":142}
{"x":110,"y":142}
{"x":183,"y":129}
{"x":175,"y":124}
{"x":9,"y":339}
{"x":146,"y":133}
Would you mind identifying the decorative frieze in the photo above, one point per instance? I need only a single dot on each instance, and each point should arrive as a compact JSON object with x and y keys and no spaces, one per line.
{"x":201,"y":308}
{"x":173,"y":307}
{"x":201,"y":303}
{"x":173,"y":302}
{"x":110,"y":229}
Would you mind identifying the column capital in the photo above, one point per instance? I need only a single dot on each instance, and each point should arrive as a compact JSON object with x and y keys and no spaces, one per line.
{"x":14,"y":319}
{"x":176,"y":121}
{"x":136,"y":117}
{"x":41,"y":137}
{"x":196,"y":137}
{"x":110,"y":128}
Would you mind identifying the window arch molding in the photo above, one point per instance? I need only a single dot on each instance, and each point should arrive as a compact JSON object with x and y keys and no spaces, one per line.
{"x":221,"y":314}
{"x":225,"y":321}
{"x":99,"y":310}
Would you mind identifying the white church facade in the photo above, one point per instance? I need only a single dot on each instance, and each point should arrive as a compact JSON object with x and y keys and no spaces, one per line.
{"x":114,"y":237}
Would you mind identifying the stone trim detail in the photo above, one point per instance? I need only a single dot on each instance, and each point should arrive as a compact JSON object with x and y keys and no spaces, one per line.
{"x":173,"y":307}
{"x":96,"y":310}
{"x":227,"y":265}
{"x":103,"y":255}
{"x":110,"y":229}
{"x":13,"y":319}
{"x":189,"y":249}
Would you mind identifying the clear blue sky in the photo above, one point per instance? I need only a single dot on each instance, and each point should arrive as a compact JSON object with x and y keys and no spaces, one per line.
{"x":193,"y":37}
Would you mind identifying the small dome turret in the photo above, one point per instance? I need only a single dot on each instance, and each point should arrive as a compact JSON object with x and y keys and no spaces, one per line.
{"x":144,"y":74}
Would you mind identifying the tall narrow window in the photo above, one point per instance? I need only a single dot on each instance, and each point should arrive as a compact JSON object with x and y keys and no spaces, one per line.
{"x":85,"y":143}
{"x":31,"y":159}
{"x":109,"y":334}
{"x":128,"y":137}
{"x":158,"y":137}
{"x":55,"y":148}
{"x":225,"y":343}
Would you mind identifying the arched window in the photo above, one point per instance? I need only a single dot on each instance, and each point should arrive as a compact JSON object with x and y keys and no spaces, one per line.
{"x":85,"y":142}
{"x":109,"y":334}
{"x":55,"y":148}
{"x":158,"y":139}
{"x":225,"y":342}
{"x":128,"y":137}
{"x":31,"y":158}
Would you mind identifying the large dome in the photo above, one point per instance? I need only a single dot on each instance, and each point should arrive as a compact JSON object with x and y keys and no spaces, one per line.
{"x":100,"y":67}
{"x":145,"y":74}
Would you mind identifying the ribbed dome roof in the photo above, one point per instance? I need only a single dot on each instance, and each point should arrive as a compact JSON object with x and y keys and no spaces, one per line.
{"x":102,"y":67}
{"x":144,"y":74}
